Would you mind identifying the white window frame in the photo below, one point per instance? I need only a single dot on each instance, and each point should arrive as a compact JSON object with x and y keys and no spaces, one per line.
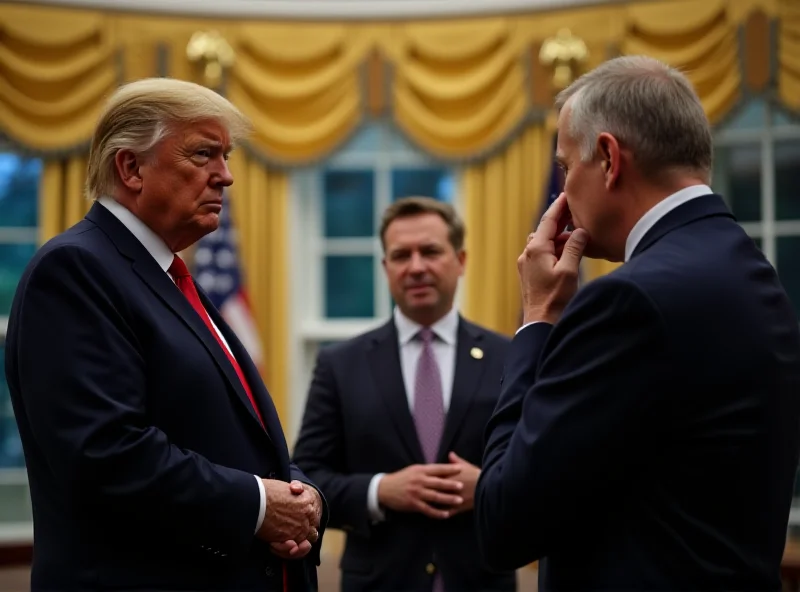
{"x":14,"y":477}
{"x":308,"y":327}
{"x":768,"y":229}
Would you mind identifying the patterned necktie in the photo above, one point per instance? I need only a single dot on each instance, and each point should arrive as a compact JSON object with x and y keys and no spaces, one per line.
{"x":429,"y":409}
{"x":428,"y":401}
{"x":183,"y":280}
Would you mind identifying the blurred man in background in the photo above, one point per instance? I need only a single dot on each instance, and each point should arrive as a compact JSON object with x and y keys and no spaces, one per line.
{"x":394,"y":421}
{"x":648,"y":432}
{"x":155,"y":457}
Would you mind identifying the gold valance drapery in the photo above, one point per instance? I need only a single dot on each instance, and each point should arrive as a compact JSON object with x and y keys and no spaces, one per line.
{"x":457,"y":88}
{"x":466,"y":91}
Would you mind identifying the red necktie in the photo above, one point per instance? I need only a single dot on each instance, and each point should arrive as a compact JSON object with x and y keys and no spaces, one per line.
{"x":183,"y":280}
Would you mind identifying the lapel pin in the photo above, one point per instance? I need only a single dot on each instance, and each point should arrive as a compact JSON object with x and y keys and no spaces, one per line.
{"x":476,"y":353}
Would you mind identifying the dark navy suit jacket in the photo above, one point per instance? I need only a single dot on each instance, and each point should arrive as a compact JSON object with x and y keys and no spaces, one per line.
{"x":649,"y":440}
{"x":357,"y":423}
{"x":140,"y":442}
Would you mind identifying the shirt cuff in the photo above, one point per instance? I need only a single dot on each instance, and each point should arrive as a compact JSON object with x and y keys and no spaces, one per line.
{"x":527,"y":325}
{"x":374,"y":507}
{"x":262,"y":506}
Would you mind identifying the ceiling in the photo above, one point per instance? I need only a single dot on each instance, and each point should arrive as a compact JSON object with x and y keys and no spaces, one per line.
{"x":324,"y":9}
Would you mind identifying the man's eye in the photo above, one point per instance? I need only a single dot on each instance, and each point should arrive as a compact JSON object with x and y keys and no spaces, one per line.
{"x":204,"y":153}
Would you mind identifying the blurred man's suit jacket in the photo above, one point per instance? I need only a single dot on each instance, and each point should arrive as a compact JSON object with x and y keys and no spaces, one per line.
{"x":358,"y":423}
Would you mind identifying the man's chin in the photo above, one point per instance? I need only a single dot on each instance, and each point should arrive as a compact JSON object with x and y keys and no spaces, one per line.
{"x":593,"y":251}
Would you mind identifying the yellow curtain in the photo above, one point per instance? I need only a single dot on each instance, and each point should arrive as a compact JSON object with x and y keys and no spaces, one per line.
{"x":698,"y":37}
{"x":458,"y":87}
{"x":789,"y":53}
{"x":56,"y":66}
{"x":300,"y":86}
{"x":260,"y":207}
{"x":61,"y":200}
{"x":504,"y":196}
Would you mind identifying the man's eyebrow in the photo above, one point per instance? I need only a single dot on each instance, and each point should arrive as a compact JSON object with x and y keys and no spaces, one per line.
{"x":214,"y":143}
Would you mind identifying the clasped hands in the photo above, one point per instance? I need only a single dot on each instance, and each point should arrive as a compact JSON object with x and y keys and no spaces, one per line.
{"x":435,"y":490}
{"x":293,"y":515}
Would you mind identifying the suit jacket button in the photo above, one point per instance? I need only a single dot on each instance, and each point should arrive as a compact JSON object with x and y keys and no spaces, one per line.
{"x":269,"y":573}
{"x":430,"y":569}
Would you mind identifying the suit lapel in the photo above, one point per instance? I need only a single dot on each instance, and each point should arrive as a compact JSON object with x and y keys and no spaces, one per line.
{"x":387,"y":374}
{"x":159,"y":282}
{"x":469,"y":365}
{"x":272,"y":422}
{"x":162,"y":286}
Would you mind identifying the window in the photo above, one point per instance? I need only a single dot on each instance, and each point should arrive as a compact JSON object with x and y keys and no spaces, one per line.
{"x":338,"y":287}
{"x":19,"y":188}
{"x":757,"y":169}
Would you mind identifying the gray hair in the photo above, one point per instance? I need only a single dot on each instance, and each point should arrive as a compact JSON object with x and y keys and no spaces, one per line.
{"x":140,"y":114}
{"x":649,"y":107}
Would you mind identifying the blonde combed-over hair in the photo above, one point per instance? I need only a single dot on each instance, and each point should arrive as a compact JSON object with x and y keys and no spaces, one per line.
{"x":140,"y":114}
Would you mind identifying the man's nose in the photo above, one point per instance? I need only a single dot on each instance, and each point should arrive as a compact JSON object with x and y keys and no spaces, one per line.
{"x":417,"y":263}
{"x":223,"y":175}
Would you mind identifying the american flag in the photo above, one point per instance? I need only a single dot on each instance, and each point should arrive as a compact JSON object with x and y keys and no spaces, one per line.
{"x":216,"y":269}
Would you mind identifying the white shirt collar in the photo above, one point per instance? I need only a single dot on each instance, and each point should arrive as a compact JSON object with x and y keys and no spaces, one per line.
{"x":149,"y":239}
{"x":660,"y":210}
{"x":445,"y":328}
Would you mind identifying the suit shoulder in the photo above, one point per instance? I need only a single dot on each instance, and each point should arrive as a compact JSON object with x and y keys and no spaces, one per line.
{"x":491,"y":337}
{"x":613,"y":293}
{"x":78,"y":244}
{"x":357,"y":343}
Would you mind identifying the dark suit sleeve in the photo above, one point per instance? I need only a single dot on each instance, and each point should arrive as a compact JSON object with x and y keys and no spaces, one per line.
{"x":320,"y":452}
{"x":84,"y":382}
{"x":573,"y":417}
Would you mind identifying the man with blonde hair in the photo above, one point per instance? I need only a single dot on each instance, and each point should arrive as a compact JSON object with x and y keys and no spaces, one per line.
{"x":648,"y":430}
{"x":155,"y":457}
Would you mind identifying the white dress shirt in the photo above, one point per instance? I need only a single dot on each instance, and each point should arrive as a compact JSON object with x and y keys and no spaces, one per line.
{"x":164,"y":256}
{"x":653,"y":215}
{"x":444,"y":350}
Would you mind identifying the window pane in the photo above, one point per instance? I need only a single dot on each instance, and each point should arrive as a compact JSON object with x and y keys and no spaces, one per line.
{"x":737,"y":177}
{"x":781,"y":117}
{"x":788,"y":265}
{"x":349,"y":203}
{"x":751,"y":116}
{"x":19,"y":189}
{"x":15,"y":503}
{"x":349,"y":286}
{"x":10,"y":446}
{"x":787,"y":180}
{"x":399,"y":143}
{"x":429,"y":182}
{"x":13,"y":259}
{"x":367,"y":140}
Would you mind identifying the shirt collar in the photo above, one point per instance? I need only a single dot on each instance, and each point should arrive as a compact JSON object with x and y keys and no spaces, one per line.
{"x":149,"y":239}
{"x":445,"y":328}
{"x":660,"y":210}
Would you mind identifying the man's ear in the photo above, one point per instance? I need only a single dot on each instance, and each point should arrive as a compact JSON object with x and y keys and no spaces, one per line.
{"x":609,"y":153}
{"x":127,"y":163}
